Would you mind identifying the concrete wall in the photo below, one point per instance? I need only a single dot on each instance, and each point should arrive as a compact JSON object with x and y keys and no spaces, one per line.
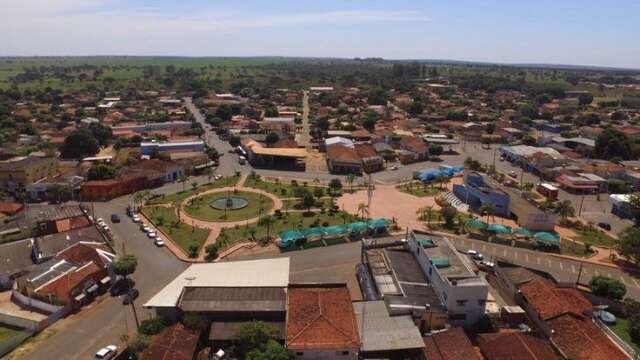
{"x":33,"y":303}
{"x":343,"y":354}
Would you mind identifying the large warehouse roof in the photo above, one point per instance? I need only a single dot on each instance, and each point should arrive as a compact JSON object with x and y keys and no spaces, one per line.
{"x":252,"y":273}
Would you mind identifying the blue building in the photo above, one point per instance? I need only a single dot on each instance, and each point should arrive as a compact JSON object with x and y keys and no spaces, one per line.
{"x":475,"y":192}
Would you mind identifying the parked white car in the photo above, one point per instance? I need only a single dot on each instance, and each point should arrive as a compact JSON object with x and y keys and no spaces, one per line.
{"x":475,"y":255}
{"x":146,"y":229}
{"x":107,"y":352}
{"x":152,"y":234}
{"x":136,"y":218}
{"x":159,"y":242}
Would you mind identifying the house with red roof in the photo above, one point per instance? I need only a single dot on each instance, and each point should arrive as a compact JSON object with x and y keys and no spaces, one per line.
{"x":564,"y":316}
{"x":321,"y":323}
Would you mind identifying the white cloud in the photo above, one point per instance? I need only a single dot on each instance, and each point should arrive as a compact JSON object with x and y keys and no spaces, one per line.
{"x":93,"y":26}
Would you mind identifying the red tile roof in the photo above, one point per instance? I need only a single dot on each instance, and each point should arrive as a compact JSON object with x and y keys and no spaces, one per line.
{"x":63,"y":286}
{"x":82,"y":253}
{"x":414,"y":144}
{"x":365,"y":150}
{"x":321,"y":317}
{"x":10,"y":208}
{"x":516,"y":345}
{"x":550,"y":301}
{"x":173,"y":343}
{"x":581,"y":339}
{"x":449,"y":345}
{"x":339,"y":152}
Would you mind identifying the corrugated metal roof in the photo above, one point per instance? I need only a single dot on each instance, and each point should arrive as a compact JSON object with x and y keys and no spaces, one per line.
{"x":381,"y":332}
{"x":250,"y":299}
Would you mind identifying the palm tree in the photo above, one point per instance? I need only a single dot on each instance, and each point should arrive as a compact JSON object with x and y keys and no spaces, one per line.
{"x":487,"y":208}
{"x":441,"y":179}
{"x":548,"y":204}
{"x":183,"y":180}
{"x":209,"y":174}
{"x":362,"y":208}
{"x":565,"y":209}
{"x":350,"y":179}
{"x":267,"y":220}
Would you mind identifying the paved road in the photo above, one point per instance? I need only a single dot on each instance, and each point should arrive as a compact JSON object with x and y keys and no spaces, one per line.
{"x":304,"y":139}
{"x":81,"y":334}
{"x":562,"y":269}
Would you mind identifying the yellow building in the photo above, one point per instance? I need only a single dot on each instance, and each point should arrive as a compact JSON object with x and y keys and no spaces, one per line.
{"x":19,"y":172}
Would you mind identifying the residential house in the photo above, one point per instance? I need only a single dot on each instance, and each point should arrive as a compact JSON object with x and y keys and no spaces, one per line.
{"x":371,"y":161}
{"x":321,"y":322}
{"x":343,"y":160}
{"x":515,"y":345}
{"x":175,"y":342}
{"x":564,"y":316}
{"x":416,"y":146}
{"x":18,"y":173}
{"x":452,"y":344}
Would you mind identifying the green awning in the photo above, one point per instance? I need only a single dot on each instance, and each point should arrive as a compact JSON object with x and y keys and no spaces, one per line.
{"x":288,"y":238}
{"x":314,"y":232}
{"x":426,"y":243}
{"x":378,"y":223}
{"x":440,"y":262}
{"x":547,"y":238}
{"x":357,"y":227}
{"x":499,"y":228}
{"x":523,"y":232}
{"x":335,"y":230}
{"x":476,"y":224}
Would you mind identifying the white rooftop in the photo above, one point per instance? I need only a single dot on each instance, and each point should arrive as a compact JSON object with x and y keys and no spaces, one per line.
{"x":251,"y":273}
{"x":338,"y":140}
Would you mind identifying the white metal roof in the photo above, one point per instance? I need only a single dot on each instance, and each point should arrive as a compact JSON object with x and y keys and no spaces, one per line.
{"x":251,"y":273}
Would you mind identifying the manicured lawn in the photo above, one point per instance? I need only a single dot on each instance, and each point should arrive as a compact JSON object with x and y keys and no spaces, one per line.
{"x":594,"y":237}
{"x":289,"y":221}
{"x":282,"y":190}
{"x":200,"y":208}
{"x":417,"y":189}
{"x":621,"y":328}
{"x":179,"y":197}
{"x":182,"y":234}
{"x":568,"y":247}
{"x":290,"y":204}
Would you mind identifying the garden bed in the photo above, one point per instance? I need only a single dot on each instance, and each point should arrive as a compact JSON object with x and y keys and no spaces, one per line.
{"x":257,"y":204}
{"x":182,"y":234}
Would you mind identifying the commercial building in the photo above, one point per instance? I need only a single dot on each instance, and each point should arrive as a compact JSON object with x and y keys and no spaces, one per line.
{"x":18,"y":173}
{"x":620,"y":206}
{"x":479,"y":189}
{"x":273,"y":157}
{"x":228,"y":294}
{"x":150,"y":148}
{"x":462,"y":291}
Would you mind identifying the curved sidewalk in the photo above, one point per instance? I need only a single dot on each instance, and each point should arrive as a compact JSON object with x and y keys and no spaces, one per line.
{"x":215,"y":227}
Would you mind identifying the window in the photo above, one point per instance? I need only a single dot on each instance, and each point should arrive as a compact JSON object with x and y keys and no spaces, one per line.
{"x":299,"y":353}
{"x":482,"y":302}
{"x":457,"y":316}
{"x":342,"y":353}
{"x":461,"y":302}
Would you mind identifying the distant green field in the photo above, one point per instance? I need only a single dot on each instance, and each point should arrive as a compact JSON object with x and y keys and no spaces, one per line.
{"x":125,"y":69}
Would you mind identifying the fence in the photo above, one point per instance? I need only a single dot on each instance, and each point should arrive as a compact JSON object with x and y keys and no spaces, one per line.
{"x":621,"y":343}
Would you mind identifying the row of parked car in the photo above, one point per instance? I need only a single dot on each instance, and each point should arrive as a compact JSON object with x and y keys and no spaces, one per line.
{"x":151,"y":234}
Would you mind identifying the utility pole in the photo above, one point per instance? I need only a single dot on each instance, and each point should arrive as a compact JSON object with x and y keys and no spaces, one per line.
{"x":581,"y":202}
{"x":579,"y":273}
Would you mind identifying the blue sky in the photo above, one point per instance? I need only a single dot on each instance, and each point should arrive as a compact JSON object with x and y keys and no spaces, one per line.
{"x":584,"y":32}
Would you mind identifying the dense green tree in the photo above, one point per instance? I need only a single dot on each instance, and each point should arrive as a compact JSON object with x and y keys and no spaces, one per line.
{"x":610,"y":288}
{"x":435,"y":150}
{"x":272,"y":138}
{"x":585,"y":99}
{"x":272,"y":350}
{"x":529,"y":140}
{"x":271,"y":111}
{"x":79,"y":144}
{"x":377,"y":96}
{"x":612,"y":143}
{"x":253,"y":336}
{"x":101,"y":171}
{"x":335,"y":185}
{"x":416,"y":108}
{"x":628,"y":244}
{"x":528,"y":110}
{"x":224,"y":112}
{"x":125,"y":265}
{"x":234,"y":141}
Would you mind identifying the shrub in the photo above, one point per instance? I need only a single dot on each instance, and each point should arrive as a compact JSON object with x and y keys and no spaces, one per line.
{"x":607,"y":287}
{"x":139,"y":343}
{"x":193,"y":250}
{"x":152,"y":326}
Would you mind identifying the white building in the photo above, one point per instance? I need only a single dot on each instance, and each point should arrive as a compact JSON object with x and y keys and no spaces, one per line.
{"x":461,"y":290}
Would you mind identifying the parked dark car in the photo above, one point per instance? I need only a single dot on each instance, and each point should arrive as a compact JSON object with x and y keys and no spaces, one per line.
{"x":121,"y":286}
{"x":605,"y":226}
{"x":115,"y":218}
{"x":130,"y":296}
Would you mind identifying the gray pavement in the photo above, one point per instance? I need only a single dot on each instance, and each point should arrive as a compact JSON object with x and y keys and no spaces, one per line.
{"x":80,"y":335}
